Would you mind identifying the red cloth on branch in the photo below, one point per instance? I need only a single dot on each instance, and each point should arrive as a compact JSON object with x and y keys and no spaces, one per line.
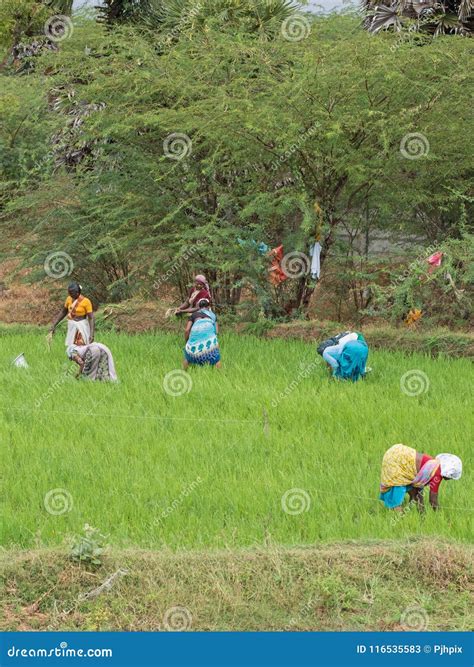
{"x":276,"y":274}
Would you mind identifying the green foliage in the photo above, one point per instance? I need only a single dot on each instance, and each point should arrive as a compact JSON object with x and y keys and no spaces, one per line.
{"x":271,"y":127}
{"x":20,"y":18}
{"x":89,"y":547}
{"x":443,"y":294}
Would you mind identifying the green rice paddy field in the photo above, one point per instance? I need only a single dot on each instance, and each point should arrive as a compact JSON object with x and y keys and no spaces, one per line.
{"x":267,"y":451}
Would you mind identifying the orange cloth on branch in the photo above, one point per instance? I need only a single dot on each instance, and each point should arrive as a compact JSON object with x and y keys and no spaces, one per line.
{"x":276,"y":273}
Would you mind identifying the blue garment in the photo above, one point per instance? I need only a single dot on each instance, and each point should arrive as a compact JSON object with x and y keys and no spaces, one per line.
{"x":394,"y":496}
{"x":352,"y":360}
{"x":261,"y":247}
{"x":202,"y":346}
{"x":348,"y":359}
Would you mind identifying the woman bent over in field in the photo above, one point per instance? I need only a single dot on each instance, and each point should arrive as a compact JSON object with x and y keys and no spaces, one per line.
{"x":404,"y":470}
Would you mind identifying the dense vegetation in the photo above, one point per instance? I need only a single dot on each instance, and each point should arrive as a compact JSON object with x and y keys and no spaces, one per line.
{"x":135,"y":145}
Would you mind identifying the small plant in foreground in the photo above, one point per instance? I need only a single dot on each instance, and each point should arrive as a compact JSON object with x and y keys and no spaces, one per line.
{"x":89,"y":546}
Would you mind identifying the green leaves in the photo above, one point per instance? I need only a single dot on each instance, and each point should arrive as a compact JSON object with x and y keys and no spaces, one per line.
{"x":220,"y":136}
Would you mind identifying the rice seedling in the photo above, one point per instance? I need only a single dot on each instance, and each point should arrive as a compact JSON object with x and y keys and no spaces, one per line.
{"x":267,"y":450}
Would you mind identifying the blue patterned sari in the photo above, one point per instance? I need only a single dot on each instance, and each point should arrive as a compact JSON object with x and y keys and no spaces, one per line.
{"x":202,"y":346}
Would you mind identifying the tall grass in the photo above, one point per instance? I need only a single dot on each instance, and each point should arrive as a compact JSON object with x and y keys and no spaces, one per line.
{"x":221,"y":456}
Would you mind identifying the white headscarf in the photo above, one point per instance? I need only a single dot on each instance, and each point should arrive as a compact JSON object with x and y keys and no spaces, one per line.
{"x":70,"y":350}
{"x":451,"y":466}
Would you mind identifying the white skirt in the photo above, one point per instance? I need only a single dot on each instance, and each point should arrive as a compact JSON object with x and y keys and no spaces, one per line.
{"x":82,"y":326}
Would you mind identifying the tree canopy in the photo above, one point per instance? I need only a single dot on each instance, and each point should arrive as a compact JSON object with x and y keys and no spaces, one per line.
{"x":125,"y":147}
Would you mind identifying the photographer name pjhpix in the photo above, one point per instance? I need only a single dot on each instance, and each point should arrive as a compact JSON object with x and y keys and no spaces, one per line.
{"x":437,"y":649}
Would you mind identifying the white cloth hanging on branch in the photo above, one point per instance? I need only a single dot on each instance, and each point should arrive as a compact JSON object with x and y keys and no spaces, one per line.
{"x":315,"y":252}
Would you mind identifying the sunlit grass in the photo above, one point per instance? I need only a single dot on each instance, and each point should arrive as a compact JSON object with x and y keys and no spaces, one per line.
{"x":221,"y":456}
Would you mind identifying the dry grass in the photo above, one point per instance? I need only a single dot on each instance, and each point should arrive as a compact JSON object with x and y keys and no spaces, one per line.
{"x":343,"y":586}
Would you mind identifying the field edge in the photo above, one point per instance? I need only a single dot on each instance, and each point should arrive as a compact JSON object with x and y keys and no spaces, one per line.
{"x":417,"y":584}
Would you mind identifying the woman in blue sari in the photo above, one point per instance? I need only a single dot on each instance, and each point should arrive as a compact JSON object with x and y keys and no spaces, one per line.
{"x":348,"y":358}
{"x":202,"y":346}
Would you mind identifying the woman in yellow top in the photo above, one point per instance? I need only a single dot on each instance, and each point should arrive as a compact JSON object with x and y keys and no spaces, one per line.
{"x":80,"y":318}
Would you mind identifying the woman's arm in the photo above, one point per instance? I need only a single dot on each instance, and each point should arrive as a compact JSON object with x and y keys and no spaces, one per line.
{"x":80,"y":362}
{"x":329,"y":358}
{"x":189,"y":326}
{"x":434,"y":500}
{"x":190,"y":309}
{"x":183,"y":306}
{"x":417,"y":496}
{"x":91,"y":318}
{"x":59,"y":319}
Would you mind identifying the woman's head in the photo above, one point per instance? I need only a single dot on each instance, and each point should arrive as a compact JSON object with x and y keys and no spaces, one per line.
{"x":200,"y":281}
{"x":74,"y":289}
{"x":204,"y":303}
{"x":71,"y":350}
{"x":451,"y":466}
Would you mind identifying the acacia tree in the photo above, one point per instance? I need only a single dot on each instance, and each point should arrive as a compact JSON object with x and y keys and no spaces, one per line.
{"x":24,"y":27}
{"x":224,"y":137}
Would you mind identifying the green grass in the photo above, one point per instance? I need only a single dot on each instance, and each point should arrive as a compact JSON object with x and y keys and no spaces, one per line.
{"x":344,"y":586}
{"x":126,"y":452}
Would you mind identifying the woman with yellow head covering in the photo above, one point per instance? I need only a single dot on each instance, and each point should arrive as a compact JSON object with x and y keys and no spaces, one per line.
{"x":404,"y":470}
